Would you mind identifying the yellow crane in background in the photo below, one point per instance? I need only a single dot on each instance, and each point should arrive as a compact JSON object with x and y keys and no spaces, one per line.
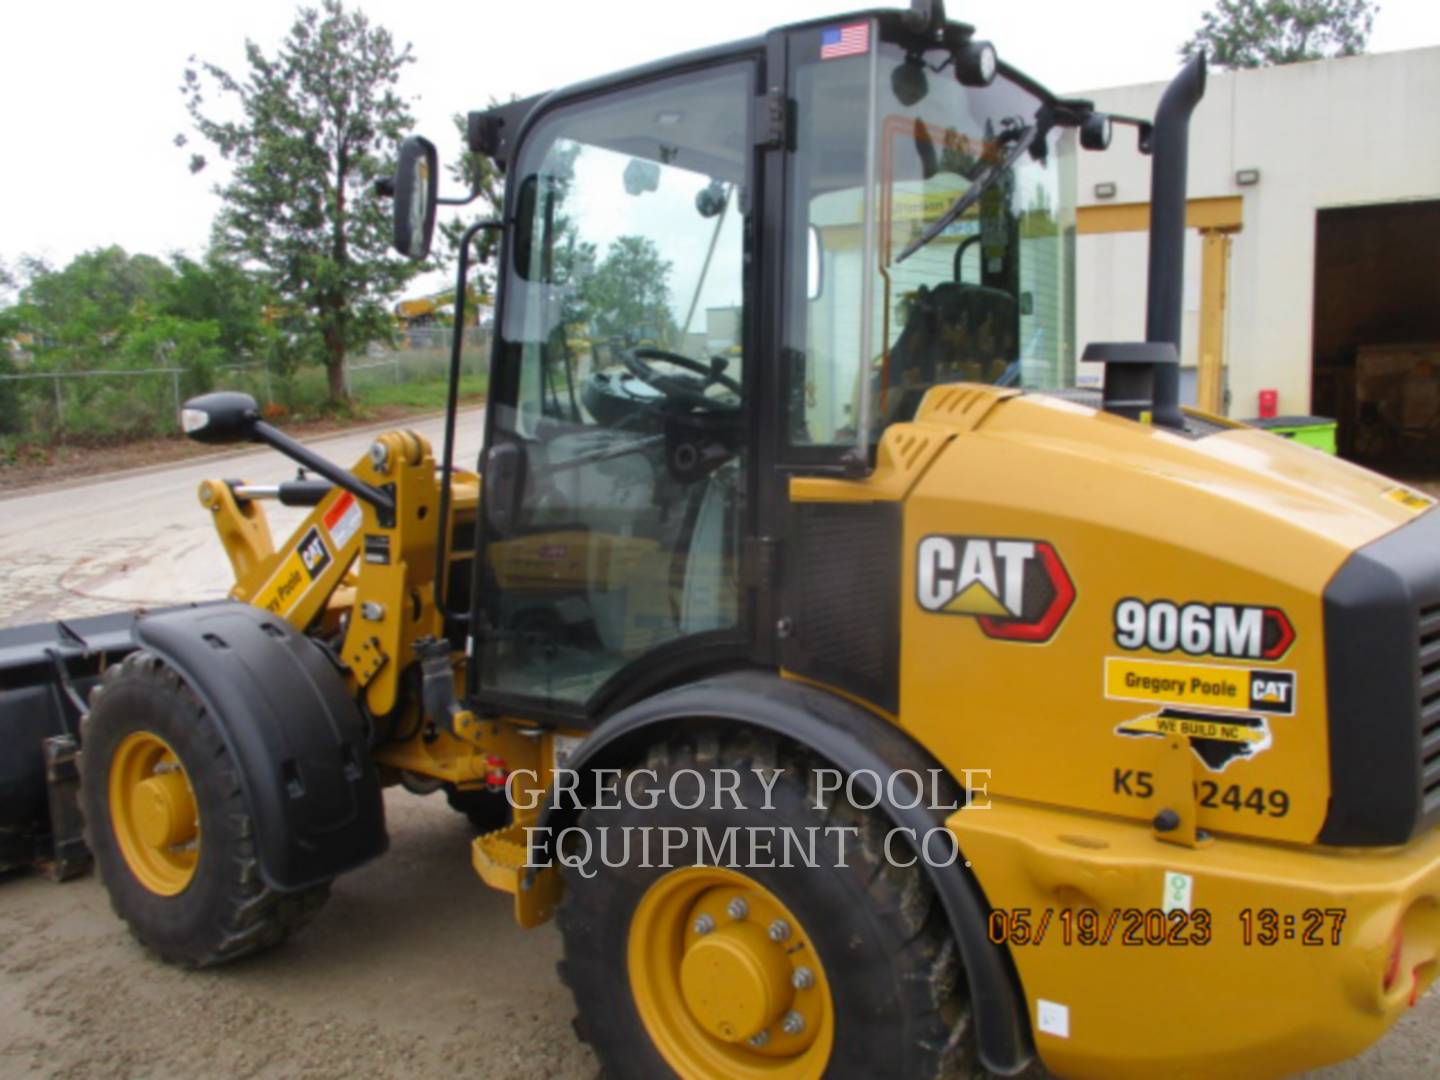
{"x":437,"y":308}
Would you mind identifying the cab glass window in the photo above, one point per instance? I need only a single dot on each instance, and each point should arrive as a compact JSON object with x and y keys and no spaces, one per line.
{"x":888,"y":140}
{"x":622,"y":330}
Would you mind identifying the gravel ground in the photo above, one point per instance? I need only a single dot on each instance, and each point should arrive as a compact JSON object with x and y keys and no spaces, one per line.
{"x":413,"y":969}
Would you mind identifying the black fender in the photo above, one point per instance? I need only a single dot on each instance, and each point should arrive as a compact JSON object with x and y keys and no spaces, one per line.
{"x":297,"y":737}
{"x":858,"y":743}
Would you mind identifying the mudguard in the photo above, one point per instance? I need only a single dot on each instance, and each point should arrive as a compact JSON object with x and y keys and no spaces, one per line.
{"x":857,"y":743}
{"x":296,"y":735}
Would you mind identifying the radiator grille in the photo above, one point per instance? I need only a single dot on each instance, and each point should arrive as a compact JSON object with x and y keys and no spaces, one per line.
{"x":1382,"y":660}
{"x":844,"y":584}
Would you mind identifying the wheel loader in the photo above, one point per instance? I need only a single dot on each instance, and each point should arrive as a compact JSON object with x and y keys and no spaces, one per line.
{"x":858,"y":696}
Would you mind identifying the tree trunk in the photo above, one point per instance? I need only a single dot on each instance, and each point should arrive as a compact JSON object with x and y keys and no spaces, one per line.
{"x":335,"y":366}
{"x":335,"y":325}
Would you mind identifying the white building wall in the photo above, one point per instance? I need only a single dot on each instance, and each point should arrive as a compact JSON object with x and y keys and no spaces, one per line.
{"x":1325,"y":134}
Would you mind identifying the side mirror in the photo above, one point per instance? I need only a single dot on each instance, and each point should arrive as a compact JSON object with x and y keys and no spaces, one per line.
{"x":1095,"y":131}
{"x":223,"y":417}
{"x":416,"y":180}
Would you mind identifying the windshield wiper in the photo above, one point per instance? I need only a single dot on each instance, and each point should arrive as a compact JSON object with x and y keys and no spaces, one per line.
{"x":981,"y":184}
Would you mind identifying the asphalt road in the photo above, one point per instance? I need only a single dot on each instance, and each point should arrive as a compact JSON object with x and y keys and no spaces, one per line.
{"x":414,"y":969}
{"x":142,"y":539}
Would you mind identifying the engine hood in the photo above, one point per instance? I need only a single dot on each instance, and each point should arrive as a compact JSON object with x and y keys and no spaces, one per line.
{"x":1076,"y":587}
{"x":1238,"y":492}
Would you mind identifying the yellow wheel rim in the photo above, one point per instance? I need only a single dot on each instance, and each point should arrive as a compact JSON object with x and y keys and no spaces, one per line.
{"x":727,"y":981}
{"x":153,"y":813}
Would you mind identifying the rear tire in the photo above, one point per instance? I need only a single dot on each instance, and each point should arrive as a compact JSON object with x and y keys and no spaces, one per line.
{"x":898,"y":1004}
{"x":198,"y":903}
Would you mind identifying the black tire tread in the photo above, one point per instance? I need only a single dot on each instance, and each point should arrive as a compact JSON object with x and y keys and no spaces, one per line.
{"x":930,"y":975}
{"x":487,"y":810}
{"x":254,"y":916}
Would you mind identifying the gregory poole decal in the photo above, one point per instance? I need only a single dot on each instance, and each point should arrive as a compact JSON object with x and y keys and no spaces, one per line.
{"x":1017,"y":590}
{"x":292,"y":581}
{"x":1206,"y":687}
{"x":1231,"y":631}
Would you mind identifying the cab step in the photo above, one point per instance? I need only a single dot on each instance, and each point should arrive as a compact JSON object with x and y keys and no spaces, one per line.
{"x":500,"y":859}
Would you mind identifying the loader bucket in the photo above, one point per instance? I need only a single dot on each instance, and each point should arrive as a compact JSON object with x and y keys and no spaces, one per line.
{"x":46,"y":672}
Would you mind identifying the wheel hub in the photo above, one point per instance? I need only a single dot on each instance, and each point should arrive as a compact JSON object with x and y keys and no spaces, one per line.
{"x":726,"y":979}
{"x":153,"y":814}
{"x":735,"y":981}
{"x":164,"y":810}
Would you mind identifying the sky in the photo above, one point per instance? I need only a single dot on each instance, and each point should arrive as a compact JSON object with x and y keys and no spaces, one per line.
{"x":92,"y":104}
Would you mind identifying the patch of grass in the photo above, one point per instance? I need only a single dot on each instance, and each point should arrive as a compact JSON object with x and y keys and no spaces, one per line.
{"x":419,"y":395}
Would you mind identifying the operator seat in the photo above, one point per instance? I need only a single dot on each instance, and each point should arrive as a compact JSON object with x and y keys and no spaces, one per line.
{"x":954,"y":332}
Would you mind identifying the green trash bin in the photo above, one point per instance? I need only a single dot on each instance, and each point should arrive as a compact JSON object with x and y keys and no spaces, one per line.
{"x":1313,"y":431}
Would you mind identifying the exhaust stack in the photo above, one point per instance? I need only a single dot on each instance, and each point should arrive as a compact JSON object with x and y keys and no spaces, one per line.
{"x":1165,"y":295}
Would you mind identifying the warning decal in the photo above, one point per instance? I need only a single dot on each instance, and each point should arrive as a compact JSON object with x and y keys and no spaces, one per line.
{"x":1409,"y":498}
{"x":342,"y":520}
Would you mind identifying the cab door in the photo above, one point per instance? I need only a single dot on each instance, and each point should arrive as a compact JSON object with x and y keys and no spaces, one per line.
{"x":615,"y":490}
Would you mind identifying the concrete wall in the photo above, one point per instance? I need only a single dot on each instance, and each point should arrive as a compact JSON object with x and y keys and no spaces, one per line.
{"x":1326,"y":134}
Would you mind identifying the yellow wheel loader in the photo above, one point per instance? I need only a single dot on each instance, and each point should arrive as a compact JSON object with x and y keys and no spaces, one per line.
{"x":859,"y":697}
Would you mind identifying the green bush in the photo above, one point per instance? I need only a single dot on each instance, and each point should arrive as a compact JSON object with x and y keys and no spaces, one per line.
{"x":12,"y":417}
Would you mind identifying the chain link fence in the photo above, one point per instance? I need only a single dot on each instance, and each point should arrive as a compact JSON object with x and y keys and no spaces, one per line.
{"x":421,"y":357}
{"x":108,"y":405}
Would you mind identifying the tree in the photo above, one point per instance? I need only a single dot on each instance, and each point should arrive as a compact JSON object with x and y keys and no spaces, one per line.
{"x":11,"y":418}
{"x":219,"y":291}
{"x":80,"y":316}
{"x":1262,"y":33}
{"x":319,"y":122}
{"x":193,"y":346}
{"x":629,"y":293}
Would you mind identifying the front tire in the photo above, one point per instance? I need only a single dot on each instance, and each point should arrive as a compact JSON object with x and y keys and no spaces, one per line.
{"x":169,"y":825}
{"x":671,"y":974}
{"x":487,"y":810}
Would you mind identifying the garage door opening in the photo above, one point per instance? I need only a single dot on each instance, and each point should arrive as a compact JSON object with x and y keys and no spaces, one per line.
{"x":1376,"y":363}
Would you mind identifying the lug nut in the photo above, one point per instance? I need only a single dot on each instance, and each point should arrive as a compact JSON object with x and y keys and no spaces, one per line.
{"x":793,"y":1023}
{"x":760,"y":1038}
{"x":803,"y":979}
{"x":737,"y":908}
{"x":704,"y":924}
{"x":779,"y":930}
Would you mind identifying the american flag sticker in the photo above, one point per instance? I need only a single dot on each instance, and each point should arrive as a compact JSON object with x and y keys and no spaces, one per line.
{"x":838,"y":41}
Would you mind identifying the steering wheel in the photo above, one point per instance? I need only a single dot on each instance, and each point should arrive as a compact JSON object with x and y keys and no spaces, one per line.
{"x":681,"y":389}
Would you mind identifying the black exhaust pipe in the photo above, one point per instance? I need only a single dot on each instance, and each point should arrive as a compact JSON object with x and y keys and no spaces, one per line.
{"x":1166,"y":295}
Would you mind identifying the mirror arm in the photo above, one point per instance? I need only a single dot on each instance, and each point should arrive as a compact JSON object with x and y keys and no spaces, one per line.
{"x":452,"y":403}
{"x":1145,"y":129}
{"x":342,"y":478}
{"x":466,"y":201}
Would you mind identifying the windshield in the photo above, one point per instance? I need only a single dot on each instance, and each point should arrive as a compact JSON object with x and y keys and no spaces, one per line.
{"x":888,"y":143}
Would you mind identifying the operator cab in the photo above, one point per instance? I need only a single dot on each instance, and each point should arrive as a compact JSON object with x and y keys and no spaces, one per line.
{"x":718,"y":272}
